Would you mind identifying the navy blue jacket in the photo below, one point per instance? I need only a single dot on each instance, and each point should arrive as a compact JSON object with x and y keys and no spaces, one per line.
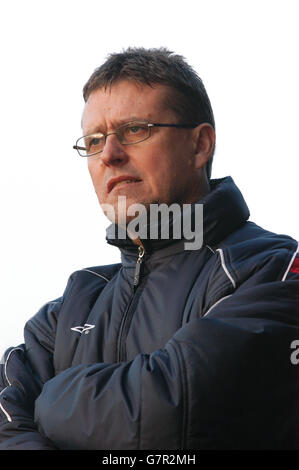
{"x":197,"y":355}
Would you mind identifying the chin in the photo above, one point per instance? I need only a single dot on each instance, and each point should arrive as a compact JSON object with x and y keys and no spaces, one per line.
{"x":118,"y":208}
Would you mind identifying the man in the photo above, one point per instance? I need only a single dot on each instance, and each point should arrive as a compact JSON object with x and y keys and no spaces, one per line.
{"x":176,"y":347}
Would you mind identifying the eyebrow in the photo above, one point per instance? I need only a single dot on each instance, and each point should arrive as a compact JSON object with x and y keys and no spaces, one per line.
{"x":117,"y":123}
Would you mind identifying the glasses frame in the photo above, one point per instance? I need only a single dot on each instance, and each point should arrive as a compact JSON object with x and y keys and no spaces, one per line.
{"x":116,"y":132}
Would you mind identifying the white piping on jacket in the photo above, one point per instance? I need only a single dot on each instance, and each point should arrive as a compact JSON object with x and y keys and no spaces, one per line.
{"x":5,"y":365}
{"x":8,"y":381}
{"x":2,"y":408}
{"x":100,"y":275}
{"x":216,"y":303}
{"x":225,"y":268}
{"x":290,"y":264}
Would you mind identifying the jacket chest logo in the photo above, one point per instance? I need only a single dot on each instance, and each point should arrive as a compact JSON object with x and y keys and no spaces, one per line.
{"x":83,"y":329}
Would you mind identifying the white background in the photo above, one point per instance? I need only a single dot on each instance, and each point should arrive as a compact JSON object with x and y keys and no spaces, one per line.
{"x":245,"y":51}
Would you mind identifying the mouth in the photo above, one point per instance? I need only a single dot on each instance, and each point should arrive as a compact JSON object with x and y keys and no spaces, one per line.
{"x":121,"y":181}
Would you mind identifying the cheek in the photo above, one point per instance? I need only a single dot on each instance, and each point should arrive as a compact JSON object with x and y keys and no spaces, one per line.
{"x":173,"y":169}
{"x":157,"y":169}
{"x":167,"y":164}
{"x":162,"y":173}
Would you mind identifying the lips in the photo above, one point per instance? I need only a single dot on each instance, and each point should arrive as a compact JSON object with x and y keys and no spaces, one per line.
{"x":121,"y":179}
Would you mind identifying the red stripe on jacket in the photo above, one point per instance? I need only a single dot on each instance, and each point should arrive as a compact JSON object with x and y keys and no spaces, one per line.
{"x":295,"y":266}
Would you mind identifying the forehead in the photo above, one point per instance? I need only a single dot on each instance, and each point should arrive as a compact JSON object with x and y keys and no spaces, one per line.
{"x":123,"y":102}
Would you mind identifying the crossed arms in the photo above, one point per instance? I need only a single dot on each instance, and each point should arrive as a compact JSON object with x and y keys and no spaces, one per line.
{"x":222,"y":381}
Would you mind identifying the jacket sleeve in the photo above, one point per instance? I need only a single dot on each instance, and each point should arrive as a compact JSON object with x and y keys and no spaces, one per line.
{"x":20,"y":386}
{"x":23,"y":372}
{"x":223,"y":381}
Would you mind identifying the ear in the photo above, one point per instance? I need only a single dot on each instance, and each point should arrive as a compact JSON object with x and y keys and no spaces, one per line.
{"x":204,"y":140}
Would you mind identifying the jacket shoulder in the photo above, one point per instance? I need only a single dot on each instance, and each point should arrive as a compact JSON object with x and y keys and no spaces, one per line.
{"x":106,"y":272}
{"x":252,"y":252}
{"x":82,"y":288}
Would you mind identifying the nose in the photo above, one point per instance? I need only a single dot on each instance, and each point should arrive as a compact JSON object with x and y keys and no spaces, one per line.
{"x":113,"y":153}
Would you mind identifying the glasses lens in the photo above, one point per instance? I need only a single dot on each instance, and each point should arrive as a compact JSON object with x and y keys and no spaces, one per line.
{"x":94,"y":143}
{"x":134,"y":132}
{"x":90,"y":144}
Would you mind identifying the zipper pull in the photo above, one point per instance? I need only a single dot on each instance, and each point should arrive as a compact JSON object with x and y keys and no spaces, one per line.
{"x":141,"y":252}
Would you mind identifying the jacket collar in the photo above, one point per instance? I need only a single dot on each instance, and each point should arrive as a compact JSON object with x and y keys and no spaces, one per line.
{"x":224,"y":210}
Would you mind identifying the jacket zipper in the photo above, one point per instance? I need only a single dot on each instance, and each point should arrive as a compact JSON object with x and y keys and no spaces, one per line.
{"x":141,"y":253}
{"x":136,"y":282}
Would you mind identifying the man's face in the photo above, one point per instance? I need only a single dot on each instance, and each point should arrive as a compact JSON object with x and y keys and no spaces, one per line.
{"x":161,"y":169}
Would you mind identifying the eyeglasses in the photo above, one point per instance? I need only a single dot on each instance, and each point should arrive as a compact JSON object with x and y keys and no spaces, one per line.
{"x":127,"y":134}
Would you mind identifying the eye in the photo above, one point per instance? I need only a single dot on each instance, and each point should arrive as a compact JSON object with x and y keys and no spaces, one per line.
{"x":135,"y":129}
{"x":134,"y":132}
{"x":93,"y":143}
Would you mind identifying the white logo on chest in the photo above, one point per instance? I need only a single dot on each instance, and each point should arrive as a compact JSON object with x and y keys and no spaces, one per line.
{"x":83,"y":329}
